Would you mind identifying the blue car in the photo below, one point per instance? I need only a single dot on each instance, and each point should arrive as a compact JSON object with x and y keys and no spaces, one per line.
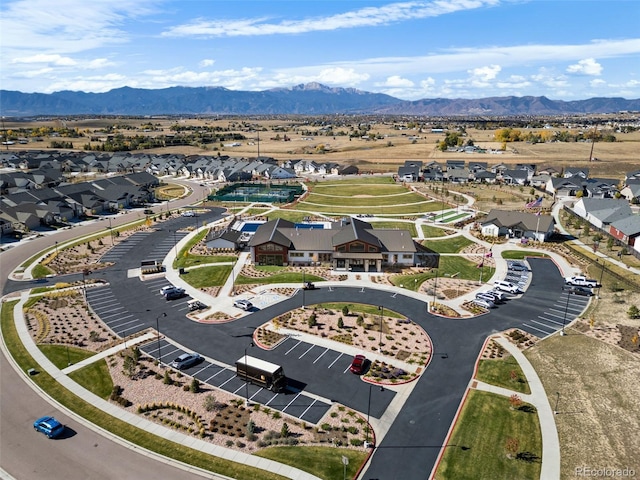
{"x":51,"y":427}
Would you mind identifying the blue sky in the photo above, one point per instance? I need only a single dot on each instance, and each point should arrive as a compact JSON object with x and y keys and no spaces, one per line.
{"x":412,"y":50}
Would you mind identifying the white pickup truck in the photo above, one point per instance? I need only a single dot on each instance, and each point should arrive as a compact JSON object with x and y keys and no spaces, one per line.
{"x":581,"y":281}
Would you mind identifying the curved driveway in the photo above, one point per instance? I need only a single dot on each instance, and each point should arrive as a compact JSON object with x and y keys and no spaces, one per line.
{"x":413,"y":441}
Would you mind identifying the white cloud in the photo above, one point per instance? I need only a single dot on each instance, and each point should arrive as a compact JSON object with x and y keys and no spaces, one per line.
{"x":98,"y":63}
{"x":207,"y":62}
{"x":484,"y":74}
{"x":597,"y":82}
{"x":588,"y":66}
{"x":364,"y":17}
{"x":396,"y":81}
{"x":56,"y":60}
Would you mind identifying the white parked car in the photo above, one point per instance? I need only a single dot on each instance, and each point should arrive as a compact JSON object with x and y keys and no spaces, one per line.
{"x":581,"y":281}
{"x":507,"y":287}
{"x":245,"y":305}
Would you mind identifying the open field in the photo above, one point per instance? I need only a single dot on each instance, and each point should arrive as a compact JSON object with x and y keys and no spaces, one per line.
{"x":597,"y":391}
{"x":385,"y":154}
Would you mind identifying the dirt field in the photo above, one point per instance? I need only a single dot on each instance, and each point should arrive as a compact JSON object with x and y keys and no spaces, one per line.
{"x":597,"y":392}
{"x":396,"y":146}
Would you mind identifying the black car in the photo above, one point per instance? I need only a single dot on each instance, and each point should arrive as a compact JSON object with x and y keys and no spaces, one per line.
{"x":576,"y":290}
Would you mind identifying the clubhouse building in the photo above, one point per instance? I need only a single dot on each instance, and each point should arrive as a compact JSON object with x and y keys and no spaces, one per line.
{"x":349,"y":245}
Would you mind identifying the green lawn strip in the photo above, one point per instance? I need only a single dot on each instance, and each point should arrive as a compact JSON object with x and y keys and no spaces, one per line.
{"x":195,"y":260}
{"x":458,"y":216}
{"x":213,"y":276}
{"x":385,"y":200}
{"x":290,"y":215}
{"x":184,"y":254}
{"x":397,"y":226}
{"x":448,"y":245}
{"x":414,"y":209}
{"x":463,"y":268}
{"x":503,"y":372}
{"x":61,"y":355}
{"x":323,"y":462}
{"x":356,"y":308}
{"x":285,"y":277}
{"x":477,"y":447}
{"x":355,"y":181}
{"x":114,"y":425}
{"x":95,"y":377}
{"x":40,"y":271}
{"x":430,"y":232}
{"x":522,"y":254}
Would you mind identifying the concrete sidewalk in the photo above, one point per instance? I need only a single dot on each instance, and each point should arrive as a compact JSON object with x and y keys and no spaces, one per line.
{"x":550,"y":462}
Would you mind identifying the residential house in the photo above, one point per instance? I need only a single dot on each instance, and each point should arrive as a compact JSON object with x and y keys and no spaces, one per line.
{"x":513,"y":224}
{"x":515,"y":177}
{"x":601,"y":212}
{"x":572,"y":172}
{"x":631,"y":191}
{"x":627,"y":231}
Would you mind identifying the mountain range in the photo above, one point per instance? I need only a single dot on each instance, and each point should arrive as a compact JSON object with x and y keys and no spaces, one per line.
{"x":307,"y":99}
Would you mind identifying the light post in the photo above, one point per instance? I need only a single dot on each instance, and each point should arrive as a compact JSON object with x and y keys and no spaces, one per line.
{"x":246,"y":373}
{"x":435,"y":289}
{"x":85,"y":272}
{"x":564,"y":319}
{"x":233,"y":277}
{"x":56,"y":248}
{"x":303,"y":285}
{"x":555,"y":410}
{"x":366,"y":442}
{"x":175,"y":245}
{"x":158,"y":331}
{"x":381,"y":308}
{"x":601,"y":275}
{"x":68,"y":358}
{"x":110,"y":231}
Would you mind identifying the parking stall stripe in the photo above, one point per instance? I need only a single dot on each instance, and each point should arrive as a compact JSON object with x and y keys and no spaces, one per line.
{"x":531,"y":326}
{"x":223,"y":384}
{"x":320,"y":356}
{"x":332,"y":363}
{"x":215,"y":374}
{"x":307,"y":409}
{"x":347,"y":369}
{"x":549,"y":320}
{"x":272,"y":399}
{"x":543,"y":324}
{"x":103,"y":301}
{"x":132,"y":328}
{"x":238,"y":389}
{"x":292,"y":400}
{"x":259,"y":390}
{"x":306,"y":352}
{"x":108,"y":308}
{"x":288,"y":351}
{"x":103,"y":317}
{"x":116,"y":324}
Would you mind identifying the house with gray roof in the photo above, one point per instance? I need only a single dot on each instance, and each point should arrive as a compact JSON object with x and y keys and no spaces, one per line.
{"x":631,"y":191}
{"x":515,"y":176}
{"x":350,"y":245}
{"x":627,"y":231}
{"x":499,"y":223}
{"x":601,"y":212}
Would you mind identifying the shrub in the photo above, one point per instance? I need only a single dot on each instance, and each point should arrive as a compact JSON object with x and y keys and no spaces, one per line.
{"x":284,"y":431}
{"x":195,"y":386}
{"x":340,"y":323}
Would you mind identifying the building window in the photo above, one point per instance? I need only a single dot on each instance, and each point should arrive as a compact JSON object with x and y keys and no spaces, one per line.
{"x":356,"y":247}
{"x":407,"y":257}
{"x":296,"y":254}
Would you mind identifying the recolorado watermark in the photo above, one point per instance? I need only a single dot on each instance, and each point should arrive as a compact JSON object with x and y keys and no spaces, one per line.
{"x":605,"y":472}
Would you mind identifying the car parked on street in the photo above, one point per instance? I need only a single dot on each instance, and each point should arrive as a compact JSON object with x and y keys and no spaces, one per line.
{"x":358,"y":364}
{"x":185,"y":360}
{"x":49,"y":426}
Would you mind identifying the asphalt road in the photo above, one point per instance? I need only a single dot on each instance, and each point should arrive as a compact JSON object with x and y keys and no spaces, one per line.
{"x":411,"y":446}
{"x":83,"y":454}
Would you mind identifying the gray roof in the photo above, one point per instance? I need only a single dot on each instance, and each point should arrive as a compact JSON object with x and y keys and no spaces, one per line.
{"x":354,"y":229}
{"x":525,"y":221}
{"x":269,"y":232}
{"x":630,"y":225}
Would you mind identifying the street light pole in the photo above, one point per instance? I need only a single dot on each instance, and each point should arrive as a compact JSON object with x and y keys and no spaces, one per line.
{"x":381,"y":308}
{"x":564,"y":319}
{"x":303,"y":285}
{"x":158,"y":332}
{"x":110,"y":231}
{"x":369,"y":412}
{"x":435,"y":290}
{"x":175,"y":245}
{"x":601,"y":275}
{"x":246,"y":373}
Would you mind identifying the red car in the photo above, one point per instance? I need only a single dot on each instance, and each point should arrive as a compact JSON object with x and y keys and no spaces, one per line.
{"x":358,"y":364}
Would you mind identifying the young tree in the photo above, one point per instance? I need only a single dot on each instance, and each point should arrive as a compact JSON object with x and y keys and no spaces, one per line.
{"x":633,"y":312}
{"x":284,"y":431}
{"x":195,"y":386}
{"x":515,"y":401}
{"x":512,"y":445}
{"x":345,"y":310}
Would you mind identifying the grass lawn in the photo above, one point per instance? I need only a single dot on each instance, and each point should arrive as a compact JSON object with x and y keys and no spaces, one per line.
{"x":323,"y":462}
{"x":113,"y":424}
{"x":40,"y":271}
{"x":183,"y":255}
{"x":61,"y":355}
{"x":290,"y":215}
{"x":283,"y":277}
{"x":397,"y":226}
{"x":449,"y":245}
{"x":477,"y":446}
{"x":368,"y":181}
{"x":344,"y":206}
{"x":522,"y":254}
{"x":465,"y":269}
{"x":95,"y":378}
{"x":360,"y":308}
{"x":194,"y":260}
{"x":207,"y":276}
{"x":430,"y":232}
{"x":504,"y":372}
{"x":361,"y":200}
